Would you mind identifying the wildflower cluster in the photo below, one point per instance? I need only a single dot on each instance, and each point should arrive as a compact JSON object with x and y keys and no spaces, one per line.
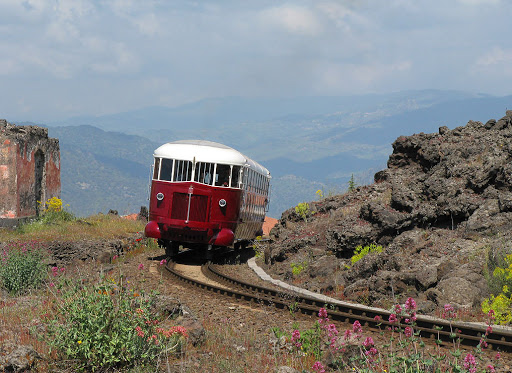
{"x":108,"y":325}
{"x":22,"y":266}
{"x":53,"y":212}
{"x":405,"y":352}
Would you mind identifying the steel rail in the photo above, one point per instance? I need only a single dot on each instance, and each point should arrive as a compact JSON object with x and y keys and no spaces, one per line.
{"x":375,"y":318}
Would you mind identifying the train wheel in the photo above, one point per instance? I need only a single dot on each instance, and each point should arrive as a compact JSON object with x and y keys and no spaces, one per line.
{"x":172,"y":248}
{"x":209,"y":252}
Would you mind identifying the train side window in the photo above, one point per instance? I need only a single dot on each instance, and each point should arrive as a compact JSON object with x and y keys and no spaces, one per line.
{"x":156,"y":168}
{"x":166,"y":169}
{"x":222,"y":176}
{"x":204,"y":172}
{"x":235,"y":176}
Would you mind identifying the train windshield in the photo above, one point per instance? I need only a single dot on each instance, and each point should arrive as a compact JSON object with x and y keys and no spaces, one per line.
{"x":222,"y":175}
{"x":166,"y":169}
{"x":204,"y":172}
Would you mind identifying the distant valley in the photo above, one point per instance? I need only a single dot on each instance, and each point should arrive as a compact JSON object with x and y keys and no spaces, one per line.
{"x":306,"y":143}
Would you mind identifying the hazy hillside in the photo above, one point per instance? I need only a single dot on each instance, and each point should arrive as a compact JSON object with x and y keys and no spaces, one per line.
{"x":103,"y":170}
{"x":306,"y":143}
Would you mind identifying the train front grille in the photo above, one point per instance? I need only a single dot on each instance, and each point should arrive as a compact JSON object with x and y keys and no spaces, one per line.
{"x":198,"y":207}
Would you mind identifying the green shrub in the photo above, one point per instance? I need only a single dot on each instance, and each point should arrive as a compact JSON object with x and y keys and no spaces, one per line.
{"x":500,"y":282}
{"x":109,"y":326}
{"x":302,"y":209}
{"x":360,"y":252}
{"x":352,"y":184}
{"x":22,"y":266}
{"x":297,"y":268}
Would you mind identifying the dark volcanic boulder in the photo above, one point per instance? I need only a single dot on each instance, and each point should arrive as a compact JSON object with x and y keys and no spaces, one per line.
{"x":444,"y":199}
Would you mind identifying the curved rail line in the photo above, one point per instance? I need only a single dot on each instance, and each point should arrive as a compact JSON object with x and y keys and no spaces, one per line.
{"x":429,"y":327}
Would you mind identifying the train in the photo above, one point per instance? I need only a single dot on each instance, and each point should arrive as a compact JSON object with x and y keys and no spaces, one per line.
{"x":205,"y":196}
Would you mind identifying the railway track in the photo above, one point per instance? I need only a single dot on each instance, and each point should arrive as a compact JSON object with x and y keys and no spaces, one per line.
{"x":469,"y":333}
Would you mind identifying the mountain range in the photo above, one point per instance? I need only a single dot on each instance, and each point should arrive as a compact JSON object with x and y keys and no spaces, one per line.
{"x":307,"y":143}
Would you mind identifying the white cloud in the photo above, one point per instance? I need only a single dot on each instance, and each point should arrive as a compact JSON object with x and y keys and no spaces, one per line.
{"x":294,"y":19}
{"x":118,"y":60}
{"x":360,"y":77}
{"x":497,"y":56}
{"x":497,"y":62}
{"x":148,"y":24}
{"x":479,"y":2}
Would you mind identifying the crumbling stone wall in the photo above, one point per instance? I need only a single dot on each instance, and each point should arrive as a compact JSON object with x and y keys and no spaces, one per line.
{"x":29,"y":171}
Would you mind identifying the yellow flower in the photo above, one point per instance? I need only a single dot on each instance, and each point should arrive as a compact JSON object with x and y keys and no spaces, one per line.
{"x":79,"y":342}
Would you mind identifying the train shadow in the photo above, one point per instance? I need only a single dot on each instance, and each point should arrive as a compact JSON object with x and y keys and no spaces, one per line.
{"x":199,"y":257}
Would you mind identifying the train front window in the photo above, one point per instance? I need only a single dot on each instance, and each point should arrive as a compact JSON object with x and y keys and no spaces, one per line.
{"x":166,"y":169}
{"x":204,"y":172}
{"x":222,"y":175}
{"x":182,"y":171}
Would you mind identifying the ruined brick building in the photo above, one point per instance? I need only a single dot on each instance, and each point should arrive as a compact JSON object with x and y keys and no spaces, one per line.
{"x":29,"y":171}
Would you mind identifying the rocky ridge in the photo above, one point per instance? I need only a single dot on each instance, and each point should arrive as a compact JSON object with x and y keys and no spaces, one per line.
{"x":441,"y":211}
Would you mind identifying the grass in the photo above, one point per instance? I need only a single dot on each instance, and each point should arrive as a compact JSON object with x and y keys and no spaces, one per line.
{"x":231,"y":345}
{"x":94,"y":227}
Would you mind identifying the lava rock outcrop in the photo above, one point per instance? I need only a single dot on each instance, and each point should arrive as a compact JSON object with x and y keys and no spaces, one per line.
{"x":442,"y":206}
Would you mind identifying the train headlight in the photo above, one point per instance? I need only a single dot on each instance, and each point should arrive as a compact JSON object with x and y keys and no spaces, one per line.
{"x":222,"y":203}
{"x":160,"y":196}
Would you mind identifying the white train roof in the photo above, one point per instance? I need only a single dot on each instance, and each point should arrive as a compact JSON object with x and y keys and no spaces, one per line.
{"x":207,"y":151}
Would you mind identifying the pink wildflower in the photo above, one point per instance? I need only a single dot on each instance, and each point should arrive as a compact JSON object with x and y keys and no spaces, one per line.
{"x":368,"y":342}
{"x":318,"y":367}
{"x":491,"y":314}
{"x":139,"y":331}
{"x":497,"y":356}
{"x":410,"y":304}
{"x":332,"y":330}
{"x":392,"y":318}
{"x":115,"y":257}
{"x":488,"y":330}
{"x":180,"y":330}
{"x":448,"y":308}
{"x":163,"y":261}
{"x":356,"y":327}
{"x":141,"y":266}
{"x":52,"y":284}
{"x":295,"y":338}
{"x":63,"y":269}
{"x":322,"y":313}
{"x":483,"y":343}
{"x":377,"y":318}
{"x":348,"y":334}
{"x":371,"y":352}
{"x":490,"y":368}
{"x":398,"y":309}
{"x":408,"y":332}
{"x":470,"y":363}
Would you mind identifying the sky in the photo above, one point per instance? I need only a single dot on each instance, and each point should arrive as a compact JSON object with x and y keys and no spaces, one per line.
{"x":64,"y":58}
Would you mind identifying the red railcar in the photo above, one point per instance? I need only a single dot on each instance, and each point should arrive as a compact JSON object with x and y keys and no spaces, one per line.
{"x":205,"y":195}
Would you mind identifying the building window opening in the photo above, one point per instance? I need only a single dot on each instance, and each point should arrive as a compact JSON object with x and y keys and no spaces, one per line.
{"x":38,"y":185}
